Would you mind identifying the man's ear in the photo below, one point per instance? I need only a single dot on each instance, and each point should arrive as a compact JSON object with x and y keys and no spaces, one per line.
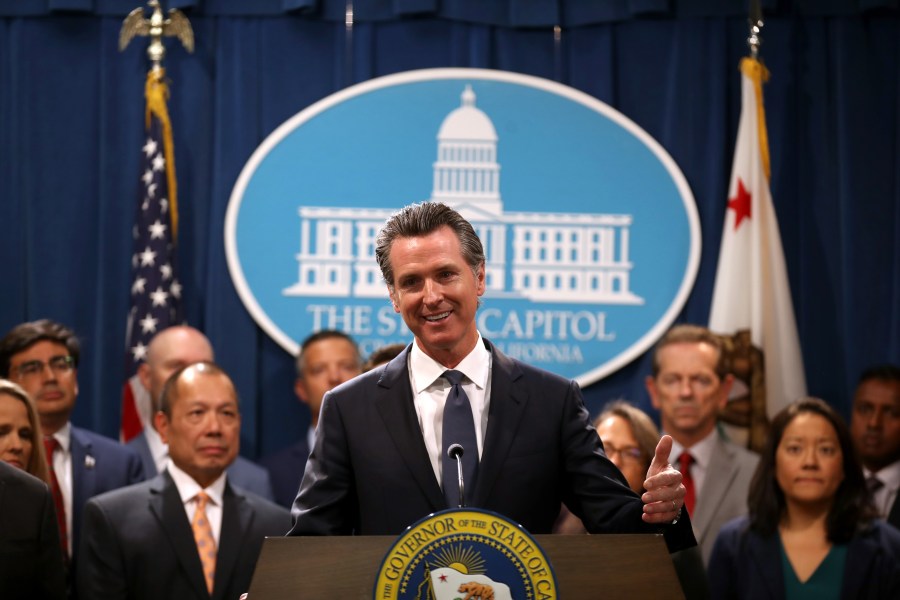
{"x":650,"y":384}
{"x":143,"y":373}
{"x":725,"y":390}
{"x":162,"y":425}
{"x":300,"y":390}
{"x":392,"y":293}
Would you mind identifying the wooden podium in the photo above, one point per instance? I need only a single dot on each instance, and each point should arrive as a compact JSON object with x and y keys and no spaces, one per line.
{"x":587,"y":567}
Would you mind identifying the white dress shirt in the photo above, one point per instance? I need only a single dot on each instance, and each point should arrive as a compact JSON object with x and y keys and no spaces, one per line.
{"x":430,"y":391}
{"x":188,"y":490}
{"x":885,"y":496}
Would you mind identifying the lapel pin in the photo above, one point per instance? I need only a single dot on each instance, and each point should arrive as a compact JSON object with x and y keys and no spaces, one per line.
{"x":89,"y":462}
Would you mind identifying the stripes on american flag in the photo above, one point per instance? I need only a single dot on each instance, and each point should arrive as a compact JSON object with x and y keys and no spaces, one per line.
{"x":155,"y":289}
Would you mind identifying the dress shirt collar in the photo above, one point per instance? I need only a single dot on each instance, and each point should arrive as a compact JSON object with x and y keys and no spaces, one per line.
{"x":64,"y":437}
{"x":889,"y":476}
{"x":701,"y":451}
{"x":425,"y":371}
{"x":188,"y":488}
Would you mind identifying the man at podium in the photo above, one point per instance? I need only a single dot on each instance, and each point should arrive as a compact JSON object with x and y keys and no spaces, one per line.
{"x":388,"y":441}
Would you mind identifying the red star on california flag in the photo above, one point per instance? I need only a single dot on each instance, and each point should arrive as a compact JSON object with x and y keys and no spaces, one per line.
{"x":740,"y":204}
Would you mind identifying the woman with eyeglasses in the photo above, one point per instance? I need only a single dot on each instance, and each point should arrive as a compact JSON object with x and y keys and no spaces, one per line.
{"x":20,"y":431}
{"x":810,"y":532}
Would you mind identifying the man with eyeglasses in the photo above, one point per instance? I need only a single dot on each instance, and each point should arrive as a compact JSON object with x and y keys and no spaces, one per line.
{"x":42,"y":357}
{"x":689,"y":386}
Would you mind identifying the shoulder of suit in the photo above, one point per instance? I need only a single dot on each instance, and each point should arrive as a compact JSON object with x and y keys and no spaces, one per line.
{"x":102,"y":443}
{"x":24,"y":483}
{"x":259,"y":504}
{"x":129,"y":494}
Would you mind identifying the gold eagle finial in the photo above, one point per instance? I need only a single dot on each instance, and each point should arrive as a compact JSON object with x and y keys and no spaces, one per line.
{"x":156,"y":27}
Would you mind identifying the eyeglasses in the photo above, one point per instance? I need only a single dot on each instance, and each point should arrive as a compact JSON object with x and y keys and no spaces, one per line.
{"x":628,"y":453}
{"x":59,"y":365}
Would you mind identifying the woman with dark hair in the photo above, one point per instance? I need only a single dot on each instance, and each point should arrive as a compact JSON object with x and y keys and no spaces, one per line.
{"x":810,"y":532}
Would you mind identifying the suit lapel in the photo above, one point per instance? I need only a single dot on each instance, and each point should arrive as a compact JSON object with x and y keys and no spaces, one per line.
{"x":894,"y":516}
{"x":860,"y":559}
{"x":394,"y":401}
{"x":718,"y":480}
{"x":166,"y":505}
{"x":84,"y":479}
{"x":507,"y":404}
{"x":236,"y":519}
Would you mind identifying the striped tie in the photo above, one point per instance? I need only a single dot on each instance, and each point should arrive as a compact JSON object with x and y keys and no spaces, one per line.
{"x":206,"y":543}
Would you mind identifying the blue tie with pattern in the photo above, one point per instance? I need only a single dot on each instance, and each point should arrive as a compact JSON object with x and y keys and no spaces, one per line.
{"x":459,"y":428}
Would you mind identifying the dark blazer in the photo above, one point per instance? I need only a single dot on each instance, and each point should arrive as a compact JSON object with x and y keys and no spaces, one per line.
{"x":242,"y":472}
{"x":369,"y":472}
{"x":31,"y":558}
{"x":138,"y":544}
{"x":99,"y":465}
{"x":894,"y":516}
{"x":286,"y":470}
{"x":746,"y":565}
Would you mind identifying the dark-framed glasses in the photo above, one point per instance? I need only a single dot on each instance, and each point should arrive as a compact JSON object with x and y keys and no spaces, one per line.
{"x":60,"y":365}
{"x":629,"y":453}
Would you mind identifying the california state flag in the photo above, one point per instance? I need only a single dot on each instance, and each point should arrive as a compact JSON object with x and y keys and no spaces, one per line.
{"x":751,"y":290}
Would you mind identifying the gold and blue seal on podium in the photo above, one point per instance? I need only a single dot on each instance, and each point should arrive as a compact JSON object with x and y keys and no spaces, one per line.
{"x":465,"y":554}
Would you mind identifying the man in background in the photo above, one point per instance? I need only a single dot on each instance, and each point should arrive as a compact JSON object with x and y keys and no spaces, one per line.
{"x":875,"y":427}
{"x":188,"y":533}
{"x":42,"y":357}
{"x":689,"y":386}
{"x":327,"y":359}
{"x":171,"y":349}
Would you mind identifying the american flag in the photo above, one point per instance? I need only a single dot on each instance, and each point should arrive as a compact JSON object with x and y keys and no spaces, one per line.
{"x":155,"y":290}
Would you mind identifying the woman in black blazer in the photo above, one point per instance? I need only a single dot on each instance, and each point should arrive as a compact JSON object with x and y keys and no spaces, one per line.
{"x":811,"y":531}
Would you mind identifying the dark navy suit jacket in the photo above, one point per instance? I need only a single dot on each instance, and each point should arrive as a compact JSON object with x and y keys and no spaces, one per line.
{"x":370,"y":473}
{"x":746,"y":565}
{"x":99,"y":465}
{"x":139,"y":545}
{"x":242,"y":472}
{"x":31,"y":558}
{"x":286,"y":470}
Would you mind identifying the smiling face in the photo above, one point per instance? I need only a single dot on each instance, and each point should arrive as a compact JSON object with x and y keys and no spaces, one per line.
{"x":16,"y":434}
{"x":204,"y":425}
{"x":809,"y":463}
{"x":687,"y":391}
{"x":436,"y":292}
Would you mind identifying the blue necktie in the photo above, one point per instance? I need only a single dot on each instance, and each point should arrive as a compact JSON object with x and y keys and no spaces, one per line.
{"x":459,"y":428}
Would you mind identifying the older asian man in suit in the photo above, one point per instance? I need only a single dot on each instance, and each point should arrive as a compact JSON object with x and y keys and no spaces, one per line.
{"x":689,"y":385}
{"x":42,"y":357}
{"x":188,"y":533}
{"x":171,"y":349}
{"x":378,"y":463}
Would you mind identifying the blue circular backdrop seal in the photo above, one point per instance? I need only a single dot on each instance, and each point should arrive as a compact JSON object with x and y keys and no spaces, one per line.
{"x":590,"y":230}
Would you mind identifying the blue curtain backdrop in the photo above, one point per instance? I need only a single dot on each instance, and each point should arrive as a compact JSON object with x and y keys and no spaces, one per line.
{"x":71,"y":125}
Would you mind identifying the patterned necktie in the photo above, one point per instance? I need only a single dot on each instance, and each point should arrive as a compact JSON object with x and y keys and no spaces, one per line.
{"x":50,"y":445}
{"x":206,"y":543}
{"x":459,"y":428}
{"x":684,"y":465}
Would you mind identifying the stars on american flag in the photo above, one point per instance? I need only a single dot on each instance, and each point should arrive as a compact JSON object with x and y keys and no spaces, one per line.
{"x":155,"y":289}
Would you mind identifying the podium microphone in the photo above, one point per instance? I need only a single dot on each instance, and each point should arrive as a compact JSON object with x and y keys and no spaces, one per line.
{"x":455,"y":451}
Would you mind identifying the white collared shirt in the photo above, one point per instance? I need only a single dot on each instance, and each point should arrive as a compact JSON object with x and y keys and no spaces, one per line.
{"x":188,"y":490}
{"x":62,"y":467}
{"x":430,"y":391}
{"x":159,"y":450}
{"x":884,"y":497}
{"x":702,"y":453}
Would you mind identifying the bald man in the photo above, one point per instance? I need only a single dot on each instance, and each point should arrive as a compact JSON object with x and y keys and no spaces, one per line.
{"x":170,"y":350}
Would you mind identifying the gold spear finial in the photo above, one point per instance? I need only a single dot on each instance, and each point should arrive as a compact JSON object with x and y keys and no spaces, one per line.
{"x":176,"y":25}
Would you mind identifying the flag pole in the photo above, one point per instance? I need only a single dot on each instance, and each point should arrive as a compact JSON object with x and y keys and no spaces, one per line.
{"x":155,"y":298}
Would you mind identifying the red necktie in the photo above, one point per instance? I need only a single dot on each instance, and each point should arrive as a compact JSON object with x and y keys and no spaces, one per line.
{"x":684,"y":465}
{"x":50,"y":445}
